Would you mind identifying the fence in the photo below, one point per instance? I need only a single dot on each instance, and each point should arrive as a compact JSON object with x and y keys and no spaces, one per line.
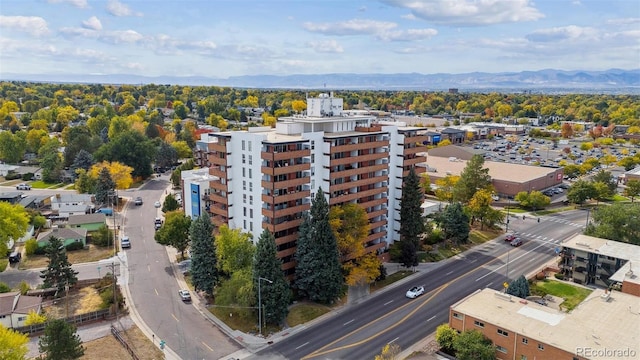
{"x":116,"y":334}
{"x":75,"y":320}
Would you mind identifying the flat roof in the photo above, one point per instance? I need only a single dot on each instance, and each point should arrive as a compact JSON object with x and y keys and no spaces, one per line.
{"x":598,"y":322}
{"x":627,"y":273}
{"x":502,"y":171}
{"x":616,"y":249}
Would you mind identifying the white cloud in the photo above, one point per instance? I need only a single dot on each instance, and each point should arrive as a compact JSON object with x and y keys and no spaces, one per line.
{"x":409,"y":17}
{"x":123,"y":36}
{"x":92,"y":23}
{"x":328,"y":46}
{"x":407,"y":35}
{"x":116,"y":8}
{"x":77,"y":3}
{"x":562,"y":33}
{"x":470,"y":12}
{"x":350,"y":27}
{"x":623,"y":21}
{"x":33,"y":25}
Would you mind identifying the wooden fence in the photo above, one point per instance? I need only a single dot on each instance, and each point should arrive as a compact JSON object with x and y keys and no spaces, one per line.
{"x":116,"y":334}
{"x":75,"y":320}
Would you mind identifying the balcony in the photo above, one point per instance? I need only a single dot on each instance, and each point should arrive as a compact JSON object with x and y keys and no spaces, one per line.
{"x":218,"y":186}
{"x":372,"y":203}
{"x":358,"y":158}
{"x":218,"y":210}
{"x":285,"y":155}
{"x":376,"y":236}
{"x":356,"y":171}
{"x":378,"y":224}
{"x":414,"y":161}
{"x":217,"y":147}
{"x":374,"y":214}
{"x":285,"y":169}
{"x":218,"y":198}
{"x":215,"y":171}
{"x":217,"y":160}
{"x":358,"y":146}
{"x":278,"y":199}
{"x":286,"y":239}
{"x":420,"y":139}
{"x":415,"y":150}
{"x":286,"y":211}
{"x":358,"y":183}
{"x":284,"y":226}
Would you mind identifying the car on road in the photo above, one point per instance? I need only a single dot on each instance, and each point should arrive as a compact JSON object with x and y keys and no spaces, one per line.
{"x":184,"y":295}
{"x":125,"y":243}
{"x":415,"y":291}
{"x":138,"y":201}
{"x":510,"y":237}
{"x":158,"y":223}
{"x":23,"y":186}
{"x":15,"y":257}
{"x":157,"y":204}
{"x":516,"y":242}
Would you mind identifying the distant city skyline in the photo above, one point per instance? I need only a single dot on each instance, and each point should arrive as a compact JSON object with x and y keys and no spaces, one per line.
{"x":223,"y":38}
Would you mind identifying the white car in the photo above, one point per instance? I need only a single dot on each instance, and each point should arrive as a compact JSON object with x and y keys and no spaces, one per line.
{"x":184,"y":295}
{"x":157,"y":204}
{"x":23,"y":186}
{"x":415,"y":291}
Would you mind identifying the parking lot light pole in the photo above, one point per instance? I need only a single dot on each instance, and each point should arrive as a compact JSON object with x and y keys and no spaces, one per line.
{"x":260,"y":303}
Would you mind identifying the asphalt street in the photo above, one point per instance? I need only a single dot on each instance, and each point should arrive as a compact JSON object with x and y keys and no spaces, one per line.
{"x":360,"y":331}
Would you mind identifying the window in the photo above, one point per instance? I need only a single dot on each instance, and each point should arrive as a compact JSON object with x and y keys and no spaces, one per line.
{"x":249,"y":173}
{"x":244,"y":184}
{"x":503,"y":333}
{"x":523,"y":357}
{"x":249,"y":145}
{"x":457,"y":316}
{"x":244,"y":225}
{"x":250,"y":186}
{"x":250,"y":159}
{"x":244,"y":198}
{"x":244,"y":172}
{"x":251,"y":213}
{"x":244,"y":211}
{"x":250,"y":199}
{"x":478,"y":323}
{"x":501,"y":349}
{"x":540,"y":347}
{"x":243,"y":158}
{"x":250,"y":226}
{"x":525,"y":341}
{"x":242,"y":145}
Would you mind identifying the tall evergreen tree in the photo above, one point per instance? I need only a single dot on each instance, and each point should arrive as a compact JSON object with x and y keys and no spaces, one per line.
{"x":83,"y":160}
{"x":318,"y":273}
{"x":204,"y":269}
{"x":104,"y":186}
{"x":455,"y":223}
{"x":411,"y":223}
{"x":60,"y":341}
{"x":58,"y":273}
{"x":275,"y":295}
{"x":472,"y":178}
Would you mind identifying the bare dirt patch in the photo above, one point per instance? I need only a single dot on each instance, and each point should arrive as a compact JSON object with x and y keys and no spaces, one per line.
{"x":108,"y":348}
{"x":79,"y":302}
{"x":94,"y":253}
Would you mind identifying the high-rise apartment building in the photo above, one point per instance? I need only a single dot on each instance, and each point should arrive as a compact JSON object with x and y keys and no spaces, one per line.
{"x":264,"y":178}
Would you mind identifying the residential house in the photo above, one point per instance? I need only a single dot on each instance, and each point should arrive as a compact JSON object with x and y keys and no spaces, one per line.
{"x":68,"y":236}
{"x":12,"y":197}
{"x":68,"y":204}
{"x":15,"y":307}
{"x":90,"y":222}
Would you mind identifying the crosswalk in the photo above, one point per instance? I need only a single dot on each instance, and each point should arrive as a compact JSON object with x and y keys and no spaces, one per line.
{"x":545,"y":239}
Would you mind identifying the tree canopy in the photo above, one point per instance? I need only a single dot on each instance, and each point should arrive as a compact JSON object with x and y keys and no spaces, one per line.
{"x":14,"y":221}
{"x":204,"y":265}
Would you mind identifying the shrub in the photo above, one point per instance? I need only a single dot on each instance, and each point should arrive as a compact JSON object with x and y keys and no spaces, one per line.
{"x":12,"y":176}
{"x":559,"y":276}
{"x":103,"y":237}
{"x":4,"y":288}
{"x":395,"y":251}
{"x":436,"y":236}
{"x":40,"y":250}
{"x":30,"y":246}
{"x":24,"y":287}
{"x":27,"y":177}
{"x":77,"y":245}
{"x":540,"y":276}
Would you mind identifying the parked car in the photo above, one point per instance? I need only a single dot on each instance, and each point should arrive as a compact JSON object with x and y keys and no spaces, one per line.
{"x":157,"y":204}
{"x":158,"y":223}
{"x":15,"y":257}
{"x":184,"y":295}
{"x":415,"y":291}
{"x":138,"y":201}
{"x":23,"y":186}
{"x":516,"y":242}
{"x":510,"y":237}
{"x":125,"y":243}
{"x":106,"y":211}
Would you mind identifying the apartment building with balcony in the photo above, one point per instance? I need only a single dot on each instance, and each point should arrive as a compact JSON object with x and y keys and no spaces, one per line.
{"x":264,"y":178}
{"x":603,"y":326}
{"x":590,"y":260}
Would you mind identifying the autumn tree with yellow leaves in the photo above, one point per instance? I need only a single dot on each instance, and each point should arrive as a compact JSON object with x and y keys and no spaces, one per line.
{"x":120,"y":173}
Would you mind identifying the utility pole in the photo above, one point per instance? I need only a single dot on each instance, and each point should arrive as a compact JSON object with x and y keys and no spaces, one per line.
{"x":260,"y":303}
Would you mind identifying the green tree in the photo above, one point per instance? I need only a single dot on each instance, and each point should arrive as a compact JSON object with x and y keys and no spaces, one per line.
{"x":607,"y":179}
{"x":204,"y":269}
{"x":519,"y":287}
{"x":166,"y":156}
{"x":472,"y":178}
{"x":389,"y":352}
{"x":4,"y":288}
{"x":580,"y":192}
{"x":479,"y":206}
{"x":444,"y":188}
{"x":170,"y":204}
{"x":455,"y":223}
{"x":350,"y":226}
{"x":532,"y":200}
{"x":12,"y":147}
{"x":238,"y":293}
{"x":85,"y":184}
{"x":572,"y":170}
{"x":411,"y":222}
{"x":104,"y":187}
{"x":275,"y":295}
{"x":175,"y":231}
{"x":318,"y":272}
{"x":60,"y":341}
{"x":14,"y":221}
{"x":83,"y":160}
{"x":58,"y":273}
{"x":234,"y":250}
{"x":132,"y":149}
{"x":473,"y":345}
{"x":446,"y":337}
{"x":51,"y":162}
{"x":13,"y":344}
{"x":618,"y":221}
{"x":632,"y":190}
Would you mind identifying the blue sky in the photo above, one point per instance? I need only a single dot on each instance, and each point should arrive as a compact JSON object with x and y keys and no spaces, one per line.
{"x":222,"y":38}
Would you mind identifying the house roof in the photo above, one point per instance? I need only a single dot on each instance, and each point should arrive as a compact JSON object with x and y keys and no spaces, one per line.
{"x":87,"y":219}
{"x":27,"y":303}
{"x":63,"y":233}
{"x":616,"y":249}
{"x":6,"y":302}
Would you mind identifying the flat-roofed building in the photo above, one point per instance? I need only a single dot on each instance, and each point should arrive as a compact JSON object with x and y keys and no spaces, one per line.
{"x":508,"y":179}
{"x":595,"y":261}
{"x":606,"y":325}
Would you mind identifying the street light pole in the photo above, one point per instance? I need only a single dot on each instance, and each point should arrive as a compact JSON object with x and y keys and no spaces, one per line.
{"x":260,"y":303}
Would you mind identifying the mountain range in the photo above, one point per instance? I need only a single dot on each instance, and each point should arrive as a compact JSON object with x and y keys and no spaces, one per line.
{"x":549,"y":80}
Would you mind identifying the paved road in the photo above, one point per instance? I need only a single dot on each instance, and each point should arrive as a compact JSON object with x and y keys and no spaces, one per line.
{"x":360,"y":331}
{"x":154,"y":289}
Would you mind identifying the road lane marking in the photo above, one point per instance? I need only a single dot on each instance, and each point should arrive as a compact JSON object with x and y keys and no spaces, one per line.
{"x":149,"y":267}
{"x":392,"y":341}
{"x":348,"y":322}
{"x":208,"y":347}
{"x":489,"y":284}
{"x":431,"y":318}
{"x":302,"y":345}
{"x":388,"y":302}
{"x":449,"y":273}
{"x":156,"y":290}
{"x":175,"y":318}
{"x":505,"y":264}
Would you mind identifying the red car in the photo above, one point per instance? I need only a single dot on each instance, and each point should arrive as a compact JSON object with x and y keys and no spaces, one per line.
{"x":510,"y":237}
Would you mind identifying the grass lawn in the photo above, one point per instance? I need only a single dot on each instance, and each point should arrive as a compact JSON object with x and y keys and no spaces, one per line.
{"x":516,"y":210}
{"x":572,"y":295}
{"x":235,"y":319}
{"x":94,"y":253}
{"x":553,"y":211}
{"x":301,"y":313}
{"x":390,"y":279}
{"x":481,"y":236}
{"x":39,"y":184}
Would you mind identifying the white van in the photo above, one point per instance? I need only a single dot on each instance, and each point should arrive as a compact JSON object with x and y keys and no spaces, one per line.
{"x":125,"y":243}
